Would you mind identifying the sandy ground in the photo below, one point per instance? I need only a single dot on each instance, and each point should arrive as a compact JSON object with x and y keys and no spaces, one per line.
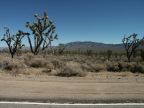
{"x":95,"y":88}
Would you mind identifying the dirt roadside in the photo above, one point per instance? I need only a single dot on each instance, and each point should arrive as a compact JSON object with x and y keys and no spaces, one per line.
{"x":101,"y":88}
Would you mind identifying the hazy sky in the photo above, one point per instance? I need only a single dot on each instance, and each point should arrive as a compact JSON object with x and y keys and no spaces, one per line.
{"x":78,"y":20}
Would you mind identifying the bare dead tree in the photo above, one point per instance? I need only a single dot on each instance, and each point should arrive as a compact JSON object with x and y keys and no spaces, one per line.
{"x":43,"y":30}
{"x":131,"y":43}
{"x":14,"y":42}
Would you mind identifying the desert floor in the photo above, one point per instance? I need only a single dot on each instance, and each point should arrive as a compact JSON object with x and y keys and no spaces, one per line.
{"x":103,"y":87}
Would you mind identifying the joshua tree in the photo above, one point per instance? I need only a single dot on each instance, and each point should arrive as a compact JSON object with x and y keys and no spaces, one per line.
{"x":43,"y":31}
{"x":14,"y":42}
{"x":109,"y":53}
{"x":131,"y":43}
{"x":89,"y":52}
{"x":142,"y":54}
{"x":61,"y":48}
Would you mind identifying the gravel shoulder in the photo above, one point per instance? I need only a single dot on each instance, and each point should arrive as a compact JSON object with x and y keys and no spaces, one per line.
{"x":99,"y":88}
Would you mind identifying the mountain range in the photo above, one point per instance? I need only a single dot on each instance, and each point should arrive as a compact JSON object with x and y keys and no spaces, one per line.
{"x":88,"y":45}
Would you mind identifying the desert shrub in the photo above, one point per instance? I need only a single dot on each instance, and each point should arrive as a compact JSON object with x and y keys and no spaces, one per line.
{"x":112,"y":66}
{"x":142,"y":54}
{"x":109,"y":53}
{"x":123,"y":66}
{"x":137,"y":68}
{"x":49,"y":65}
{"x":89,"y":52}
{"x":27,"y":58}
{"x":99,"y":67}
{"x":50,"y":62}
{"x":86,"y":67}
{"x":93,"y":67}
{"x":61,"y":49}
{"x":11,"y":64}
{"x":119,"y":66}
{"x":13,"y":67}
{"x":3,"y":64}
{"x":130,"y":66}
{"x":37,"y":63}
{"x":57,"y":63}
{"x":10,"y":67}
{"x":71,"y":69}
{"x":47,"y":71}
{"x":7,"y":65}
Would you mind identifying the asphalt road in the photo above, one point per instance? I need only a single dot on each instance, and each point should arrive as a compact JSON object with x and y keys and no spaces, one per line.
{"x":50,"y":105}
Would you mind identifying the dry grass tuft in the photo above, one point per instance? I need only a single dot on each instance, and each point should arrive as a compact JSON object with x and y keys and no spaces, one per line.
{"x":93,"y":67}
{"x":71,"y":69}
{"x":64,"y":65}
{"x":125,"y":66}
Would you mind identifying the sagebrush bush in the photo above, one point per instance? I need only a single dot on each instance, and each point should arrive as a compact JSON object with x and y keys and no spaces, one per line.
{"x":66,"y":65}
{"x":142,"y":54}
{"x":13,"y":67}
{"x":138,"y":68}
{"x":58,"y":64}
{"x":71,"y":69}
{"x":112,"y":66}
{"x":47,"y":71}
{"x":125,"y":66}
{"x":49,"y":65}
{"x":86,"y":67}
{"x":10,"y":67}
{"x":93,"y":67}
{"x":36,"y":62}
{"x":28,"y":56}
{"x":98,"y":67}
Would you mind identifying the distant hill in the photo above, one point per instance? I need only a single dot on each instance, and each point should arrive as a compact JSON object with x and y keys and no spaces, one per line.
{"x":86,"y":45}
{"x":78,"y":45}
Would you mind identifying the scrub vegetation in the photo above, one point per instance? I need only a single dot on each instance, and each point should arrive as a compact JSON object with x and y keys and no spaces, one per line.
{"x":42,"y":58}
